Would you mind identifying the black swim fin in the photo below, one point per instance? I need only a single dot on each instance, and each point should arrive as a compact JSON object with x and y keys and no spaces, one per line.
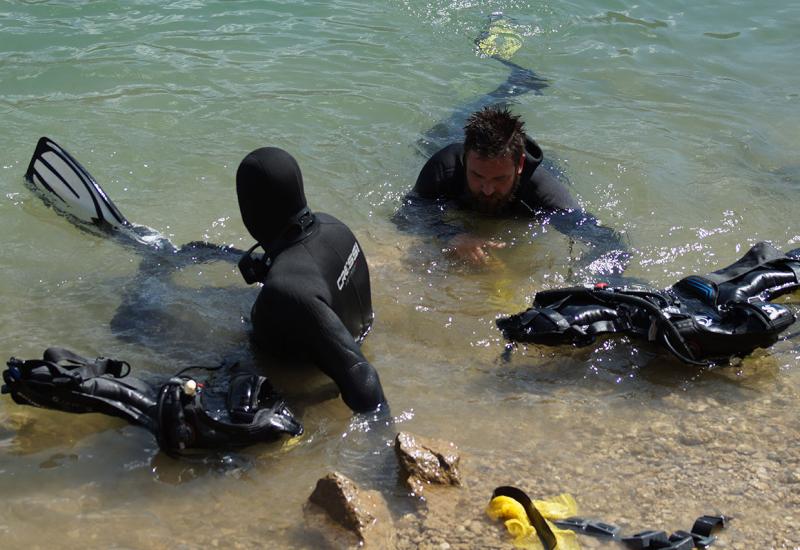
{"x":63,"y":183}
{"x":69,"y":187}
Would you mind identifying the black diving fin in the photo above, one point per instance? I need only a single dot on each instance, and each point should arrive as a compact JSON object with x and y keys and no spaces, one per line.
{"x":64,"y":184}
{"x":70,"y":188}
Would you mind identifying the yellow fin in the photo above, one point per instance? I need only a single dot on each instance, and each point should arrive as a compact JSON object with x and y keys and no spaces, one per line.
{"x":519,"y":526}
{"x":561,"y":507}
{"x":507,"y":508}
{"x":500,"y":40}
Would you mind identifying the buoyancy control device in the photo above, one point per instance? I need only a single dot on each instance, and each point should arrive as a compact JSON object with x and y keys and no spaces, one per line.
{"x":231,"y":408}
{"x":699,"y":319}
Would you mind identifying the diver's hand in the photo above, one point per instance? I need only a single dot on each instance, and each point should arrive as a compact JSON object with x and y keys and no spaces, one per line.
{"x":472,"y":249}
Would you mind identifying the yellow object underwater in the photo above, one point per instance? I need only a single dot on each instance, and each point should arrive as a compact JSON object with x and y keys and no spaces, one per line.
{"x":499,"y":40}
{"x":519,"y":526}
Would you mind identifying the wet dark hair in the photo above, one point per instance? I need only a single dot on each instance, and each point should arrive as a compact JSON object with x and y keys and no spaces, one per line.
{"x":494,"y":132}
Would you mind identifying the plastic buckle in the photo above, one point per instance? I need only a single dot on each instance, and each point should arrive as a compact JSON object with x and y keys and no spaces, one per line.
{"x":680,"y":542}
{"x":589,"y":527}
{"x":705,"y":525}
{"x":700,"y":541}
{"x":602,"y":529}
{"x":646,"y":539}
{"x":575,"y":524}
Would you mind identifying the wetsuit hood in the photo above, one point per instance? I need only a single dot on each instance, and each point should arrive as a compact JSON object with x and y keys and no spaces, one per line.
{"x":533,"y":158}
{"x":269,"y":186}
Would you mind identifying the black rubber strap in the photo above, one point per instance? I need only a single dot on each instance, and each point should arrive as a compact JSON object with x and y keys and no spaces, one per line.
{"x":546,"y":534}
{"x":589,"y":527}
{"x":700,"y":537}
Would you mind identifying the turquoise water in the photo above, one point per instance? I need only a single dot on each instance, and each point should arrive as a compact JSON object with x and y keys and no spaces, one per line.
{"x":676,"y":122}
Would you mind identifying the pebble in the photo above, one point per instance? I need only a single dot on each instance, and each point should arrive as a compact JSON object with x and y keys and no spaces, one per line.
{"x":475,"y":527}
{"x":792,"y":477}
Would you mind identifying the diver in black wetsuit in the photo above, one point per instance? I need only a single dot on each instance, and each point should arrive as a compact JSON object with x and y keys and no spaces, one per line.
{"x":316,"y":289}
{"x":498,"y":170}
{"x":315,"y":297}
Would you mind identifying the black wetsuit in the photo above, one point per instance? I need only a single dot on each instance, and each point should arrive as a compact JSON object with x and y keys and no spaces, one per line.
{"x":445,"y":176}
{"x":316,"y":294}
{"x":316,"y":298}
{"x":540,"y":193}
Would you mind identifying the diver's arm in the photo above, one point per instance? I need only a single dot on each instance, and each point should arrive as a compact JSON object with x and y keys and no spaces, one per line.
{"x":422,"y":210}
{"x":300,"y":317}
{"x":547,"y":193}
{"x":425,"y":216}
{"x":336,"y":353}
{"x":197,"y":252}
{"x":608,"y":252}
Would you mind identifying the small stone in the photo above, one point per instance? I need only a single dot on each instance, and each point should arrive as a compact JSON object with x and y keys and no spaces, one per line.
{"x":406,"y":521}
{"x":361,"y":513}
{"x":475,"y":527}
{"x":589,"y":542}
{"x":745,"y":450}
{"x":792,"y":477}
{"x":426,"y":461}
{"x":697,"y":407}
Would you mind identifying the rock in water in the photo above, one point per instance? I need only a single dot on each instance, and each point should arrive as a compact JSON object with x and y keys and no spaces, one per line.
{"x":425,"y":461}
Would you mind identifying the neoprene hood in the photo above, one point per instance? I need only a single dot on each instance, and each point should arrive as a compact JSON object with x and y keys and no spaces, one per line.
{"x":269,"y":186}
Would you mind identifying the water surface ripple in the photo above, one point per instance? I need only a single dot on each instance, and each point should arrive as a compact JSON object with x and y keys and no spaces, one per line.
{"x":675,"y":121}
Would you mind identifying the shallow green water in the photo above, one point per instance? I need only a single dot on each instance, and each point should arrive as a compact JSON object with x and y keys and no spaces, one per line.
{"x":676,"y":122}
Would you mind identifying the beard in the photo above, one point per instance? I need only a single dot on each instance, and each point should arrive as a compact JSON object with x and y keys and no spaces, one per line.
{"x":494,"y":204}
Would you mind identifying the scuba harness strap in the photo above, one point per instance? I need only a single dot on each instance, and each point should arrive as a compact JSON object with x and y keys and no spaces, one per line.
{"x":182,"y":413}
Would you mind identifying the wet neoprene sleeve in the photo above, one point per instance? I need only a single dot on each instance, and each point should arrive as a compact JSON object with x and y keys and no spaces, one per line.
{"x":303,"y":320}
{"x":608,"y":252}
{"x":316,"y":301}
{"x":425,"y":216}
{"x":338,"y":356}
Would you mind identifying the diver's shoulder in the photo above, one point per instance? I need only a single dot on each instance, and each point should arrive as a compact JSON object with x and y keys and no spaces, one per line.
{"x":544,"y":189}
{"x":453,"y":151}
{"x":324,"y":218}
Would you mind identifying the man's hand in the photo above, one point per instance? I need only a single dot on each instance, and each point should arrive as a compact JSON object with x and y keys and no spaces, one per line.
{"x":472,"y":249}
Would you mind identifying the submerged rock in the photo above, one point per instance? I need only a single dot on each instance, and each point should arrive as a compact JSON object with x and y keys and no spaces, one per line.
{"x":425,"y":461}
{"x":355,"y":517}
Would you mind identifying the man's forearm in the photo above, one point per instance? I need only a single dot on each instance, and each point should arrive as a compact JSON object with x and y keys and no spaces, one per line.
{"x":422,"y":216}
{"x":608,"y":251}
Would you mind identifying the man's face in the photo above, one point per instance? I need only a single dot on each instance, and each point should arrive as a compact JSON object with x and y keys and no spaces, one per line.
{"x":492,"y":181}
